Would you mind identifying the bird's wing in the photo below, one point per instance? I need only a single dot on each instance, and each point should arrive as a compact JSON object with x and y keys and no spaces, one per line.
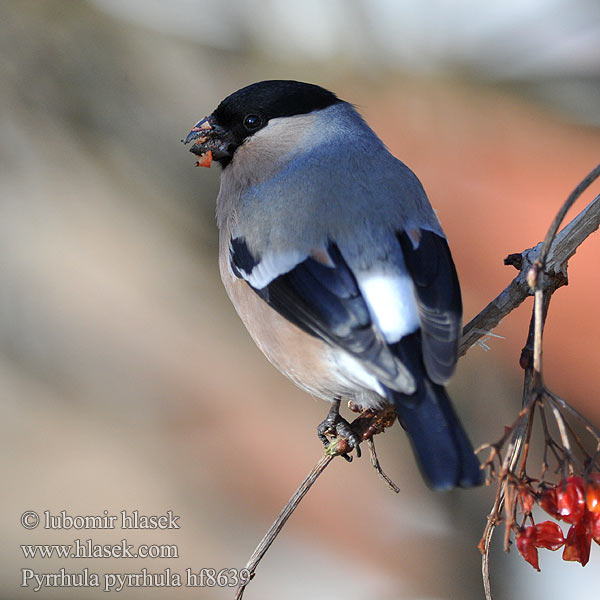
{"x":368,"y":312}
{"x":429,"y":262}
{"x":320,"y":294}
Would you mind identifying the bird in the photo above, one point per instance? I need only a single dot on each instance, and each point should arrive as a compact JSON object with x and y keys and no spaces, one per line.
{"x":337,"y":264}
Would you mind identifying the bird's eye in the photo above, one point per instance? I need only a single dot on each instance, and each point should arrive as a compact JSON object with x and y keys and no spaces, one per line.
{"x":252,"y":122}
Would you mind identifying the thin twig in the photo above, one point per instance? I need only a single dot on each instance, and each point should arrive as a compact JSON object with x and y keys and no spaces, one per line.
{"x":549,"y":442}
{"x":284,"y":515}
{"x":537,"y":338}
{"x":573,"y":196}
{"x":485,"y":561}
{"x":562,"y":430}
{"x":573,"y":434}
{"x":365,"y":426}
{"x":527,"y":439}
{"x":377,"y":467}
{"x":564,"y":246}
{"x":593,"y":430}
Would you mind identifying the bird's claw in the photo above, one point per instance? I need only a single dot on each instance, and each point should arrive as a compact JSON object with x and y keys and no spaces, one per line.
{"x":335,"y":425}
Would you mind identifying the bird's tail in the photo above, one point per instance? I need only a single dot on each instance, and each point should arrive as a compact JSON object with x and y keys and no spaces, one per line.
{"x":441,"y":446}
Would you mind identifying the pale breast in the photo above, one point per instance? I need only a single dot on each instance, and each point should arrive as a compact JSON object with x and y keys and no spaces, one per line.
{"x":313,"y":365}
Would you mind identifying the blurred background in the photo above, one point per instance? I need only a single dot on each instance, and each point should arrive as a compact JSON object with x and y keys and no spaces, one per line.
{"x":128,"y":381}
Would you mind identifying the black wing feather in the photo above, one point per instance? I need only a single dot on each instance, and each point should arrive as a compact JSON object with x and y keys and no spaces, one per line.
{"x":437,"y":290}
{"x":326,"y":302}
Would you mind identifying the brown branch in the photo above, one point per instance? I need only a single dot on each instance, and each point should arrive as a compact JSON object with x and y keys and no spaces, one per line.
{"x":366,"y":425}
{"x":375,"y":462}
{"x":542,"y":270}
{"x":573,"y":196}
{"x":284,"y":515}
{"x":564,"y":246}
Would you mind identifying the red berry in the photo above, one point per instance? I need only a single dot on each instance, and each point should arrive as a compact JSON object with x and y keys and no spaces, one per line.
{"x":591,"y":522}
{"x":570,"y":499}
{"x":547,"y":501}
{"x":526,"y":497}
{"x":592,"y":493}
{"x":548,"y":535}
{"x":526,"y":546}
{"x":577,"y":546}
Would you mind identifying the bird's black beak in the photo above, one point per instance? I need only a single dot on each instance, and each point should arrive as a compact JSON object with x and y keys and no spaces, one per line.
{"x":211,"y":142}
{"x":199,"y":129}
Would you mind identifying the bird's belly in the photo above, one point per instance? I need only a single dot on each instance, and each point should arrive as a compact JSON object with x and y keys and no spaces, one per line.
{"x":313,"y":365}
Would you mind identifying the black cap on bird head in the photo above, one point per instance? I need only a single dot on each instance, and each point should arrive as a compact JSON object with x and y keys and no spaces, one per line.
{"x":243,"y":113}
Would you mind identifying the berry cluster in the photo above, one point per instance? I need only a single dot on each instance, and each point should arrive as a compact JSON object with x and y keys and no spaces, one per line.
{"x":574,"y":500}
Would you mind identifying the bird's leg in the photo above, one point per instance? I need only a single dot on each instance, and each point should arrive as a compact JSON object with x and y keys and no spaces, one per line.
{"x":334,"y":424}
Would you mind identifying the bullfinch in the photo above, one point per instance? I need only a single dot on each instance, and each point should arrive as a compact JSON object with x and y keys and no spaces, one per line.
{"x":337,"y":264}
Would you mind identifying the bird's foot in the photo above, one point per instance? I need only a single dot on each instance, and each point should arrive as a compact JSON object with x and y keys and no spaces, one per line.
{"x":345,"y":438}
